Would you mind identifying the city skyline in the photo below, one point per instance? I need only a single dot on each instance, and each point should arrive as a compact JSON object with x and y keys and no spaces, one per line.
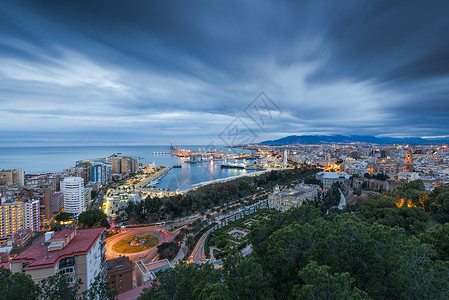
{"x":106,"y":73}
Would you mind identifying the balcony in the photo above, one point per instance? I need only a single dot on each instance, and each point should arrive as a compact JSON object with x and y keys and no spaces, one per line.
{"x":67,"y":270}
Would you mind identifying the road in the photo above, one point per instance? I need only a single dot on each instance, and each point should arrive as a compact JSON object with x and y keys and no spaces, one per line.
{"x":198,"y":255}
{"x":147,"y":255}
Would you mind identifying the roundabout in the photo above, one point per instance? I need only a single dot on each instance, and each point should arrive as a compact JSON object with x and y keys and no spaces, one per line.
{"x":136,"y":243}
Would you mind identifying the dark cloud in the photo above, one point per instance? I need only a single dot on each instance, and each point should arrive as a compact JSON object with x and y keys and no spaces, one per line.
{"x":161,"y":71}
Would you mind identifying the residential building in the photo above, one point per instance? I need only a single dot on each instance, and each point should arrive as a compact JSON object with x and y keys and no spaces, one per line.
{"x":79,"y":254}
{"x":124,"y":164}
{"x":101,"y":172}
{"x":119,"y":273}
{"x":74,"y":199}
{"x":87,"y":196}
{"x":15,"y":216}
{"x":10,"y":177}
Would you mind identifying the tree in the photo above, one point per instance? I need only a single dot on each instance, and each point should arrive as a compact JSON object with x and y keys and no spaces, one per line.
{"x":190,"y":241}
{"x":17,"y":286}
{"x":320,"y":283}
{"x":438,"y":237}
{"x":168,"y":250}
{"x":245,"y":279}
{"x":57,"y":287}
{"x":91,"y":217}
{"x":187,"y":282}
{"x":99,"y":290}
{"x":63,"y":217}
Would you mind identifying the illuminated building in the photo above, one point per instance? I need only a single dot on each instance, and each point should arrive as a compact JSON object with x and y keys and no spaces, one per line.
{"x":74,"y":199}
{"x":124,"y":164}
{"x":100,"y":172}
{"x":408,"y":161}
{"x":294,"y":197}
{"x":15,"y":216}
{"x":10,"y":177}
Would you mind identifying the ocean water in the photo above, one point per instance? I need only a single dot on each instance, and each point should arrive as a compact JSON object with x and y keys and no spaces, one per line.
{"x":55,"y":159}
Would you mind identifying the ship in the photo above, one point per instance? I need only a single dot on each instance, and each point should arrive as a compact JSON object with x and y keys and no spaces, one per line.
{"x":233,"y":166}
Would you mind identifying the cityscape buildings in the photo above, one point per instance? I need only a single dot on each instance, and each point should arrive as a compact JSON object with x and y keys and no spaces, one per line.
{"x":10,"y":177}
{"x":74,"y":198}
{"x":16,"y":215}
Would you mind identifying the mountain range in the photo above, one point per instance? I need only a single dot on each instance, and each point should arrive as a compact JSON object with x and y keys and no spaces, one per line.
{"x":342,"y":139}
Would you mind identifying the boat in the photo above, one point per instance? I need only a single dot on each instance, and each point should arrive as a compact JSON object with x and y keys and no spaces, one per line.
{"x":233,"y":166}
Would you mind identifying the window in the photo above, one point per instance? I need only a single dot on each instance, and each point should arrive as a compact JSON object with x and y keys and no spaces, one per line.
{"x":67,"y":262}
{"x":71,"y":280}
{"x":67,"y":270}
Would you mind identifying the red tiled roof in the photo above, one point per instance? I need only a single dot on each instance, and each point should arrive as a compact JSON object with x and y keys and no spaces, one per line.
{"x":80,"y":244}
{"x":134,"y":293}
{"x":4,"y":265}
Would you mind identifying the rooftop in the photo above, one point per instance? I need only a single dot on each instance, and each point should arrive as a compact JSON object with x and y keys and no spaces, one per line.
{"x":39,"y":257}
{"x":333,"y":175}
{"x":118,"y":265}
{"x":134,"y":293}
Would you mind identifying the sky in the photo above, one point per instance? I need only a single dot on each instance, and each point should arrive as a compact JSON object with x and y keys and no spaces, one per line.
{"x":220,"y":72}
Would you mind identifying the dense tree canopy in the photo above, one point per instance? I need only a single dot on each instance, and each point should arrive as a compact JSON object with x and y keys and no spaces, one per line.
{"x":63,"y":216}
{"x":17,"y":286}
{"x":378,"y":251}
{"x":92,"y":217}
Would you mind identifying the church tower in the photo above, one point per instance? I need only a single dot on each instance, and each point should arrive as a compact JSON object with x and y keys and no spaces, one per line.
{"x":408,"y":161}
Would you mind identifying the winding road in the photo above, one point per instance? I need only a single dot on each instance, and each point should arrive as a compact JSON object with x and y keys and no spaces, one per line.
{"x":198,"y":254}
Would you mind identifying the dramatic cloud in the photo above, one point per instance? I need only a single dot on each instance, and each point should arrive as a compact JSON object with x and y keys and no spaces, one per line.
{"x":144,"y":72}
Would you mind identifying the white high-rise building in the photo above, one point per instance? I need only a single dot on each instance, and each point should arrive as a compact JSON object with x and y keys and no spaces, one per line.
{"x":73,"y":190}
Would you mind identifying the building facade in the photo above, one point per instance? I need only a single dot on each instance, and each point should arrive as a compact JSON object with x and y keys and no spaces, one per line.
{"x":10,"y":177}
{"x":329,"y":178}
{"x":147,"y":272}
{"x":79,"y":254}
{"x":119,"y":273}
{"x":292,"y":197}
{"x":15,"y":216}
{"x":74,"y":198}
{"x":124,"y":164}
{"x":100,"y":173}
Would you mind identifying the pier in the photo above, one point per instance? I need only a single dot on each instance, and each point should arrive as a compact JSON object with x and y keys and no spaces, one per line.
{"x":154,"y":177}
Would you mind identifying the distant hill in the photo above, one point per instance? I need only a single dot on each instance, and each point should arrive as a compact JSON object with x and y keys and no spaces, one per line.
{"x":342,"y":139}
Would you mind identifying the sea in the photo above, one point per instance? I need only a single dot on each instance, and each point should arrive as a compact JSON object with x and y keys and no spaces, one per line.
{"x":56,"y":159}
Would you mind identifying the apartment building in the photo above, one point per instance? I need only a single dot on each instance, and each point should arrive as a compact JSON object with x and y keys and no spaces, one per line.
{"x":10,"y":177}
{"x":17,"y":215}
{"x":74,"y":198}
{"x":119,"y":273}
{"x":79,"y":254}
